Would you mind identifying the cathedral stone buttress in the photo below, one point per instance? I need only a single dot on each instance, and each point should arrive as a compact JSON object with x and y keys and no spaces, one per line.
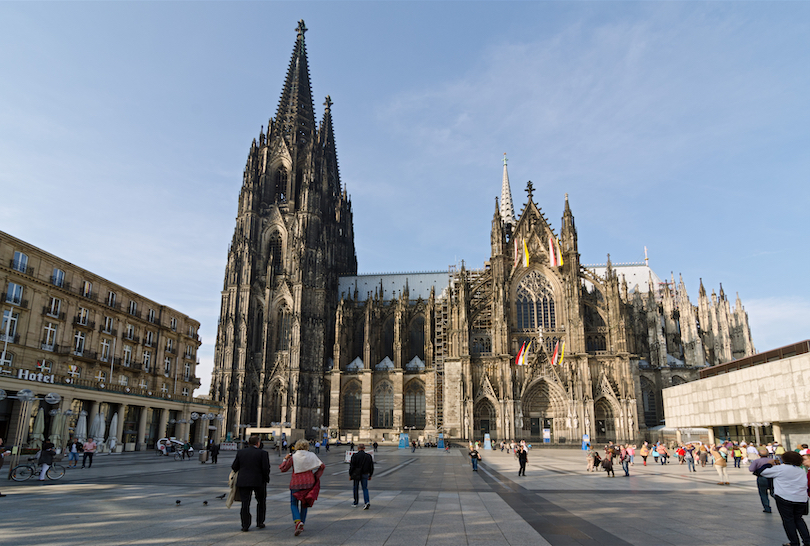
{"x":293,"y":239}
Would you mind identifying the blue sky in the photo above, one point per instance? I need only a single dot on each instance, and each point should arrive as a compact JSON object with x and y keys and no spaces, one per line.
{"x":682,"y":127}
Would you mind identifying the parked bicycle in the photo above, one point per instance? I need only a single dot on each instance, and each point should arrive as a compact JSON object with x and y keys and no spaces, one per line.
{"x":26,"y":471}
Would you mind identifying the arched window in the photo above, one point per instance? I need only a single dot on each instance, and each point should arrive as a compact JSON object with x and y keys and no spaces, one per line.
{"x":284,"y":329}
{"x":415,"y":405}
{"x":274,"y":404}
{"x":480,"y":345}
{"x":358,"y":346}
{"x":388,"y":339}
{"x":352,"y":403}
{"x":275,"y":253}
{"x":281,"y":185}
{"x":649,"y":401}
{"x":417,"y":338}
{"x":535,"y":303}
{"x":384,"y":405}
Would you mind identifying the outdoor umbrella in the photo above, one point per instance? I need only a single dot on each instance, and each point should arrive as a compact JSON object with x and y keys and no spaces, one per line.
{"x":112,"y":440}
{"x":81,"y":428}
{"x":101,"y":428}
{"x":36,"y":437}
{"x":57,"y":423}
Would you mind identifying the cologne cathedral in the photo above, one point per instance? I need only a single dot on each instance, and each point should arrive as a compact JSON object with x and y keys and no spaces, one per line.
{"x":532,"y":345}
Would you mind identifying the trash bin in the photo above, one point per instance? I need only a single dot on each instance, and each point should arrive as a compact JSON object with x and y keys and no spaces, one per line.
{"x":203,"y":455}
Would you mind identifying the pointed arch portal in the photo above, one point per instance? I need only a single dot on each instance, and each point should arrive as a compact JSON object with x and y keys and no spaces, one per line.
{"x":543,"y":409}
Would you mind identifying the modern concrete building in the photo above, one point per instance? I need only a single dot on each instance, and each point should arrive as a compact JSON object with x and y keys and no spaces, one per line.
{"x":760,"y":398}
{"x":104,"y":349}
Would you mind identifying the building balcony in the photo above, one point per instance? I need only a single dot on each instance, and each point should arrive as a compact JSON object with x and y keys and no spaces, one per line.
{"x":111,"y":331}
{"x":19,"y":302}
{"x":84,"y":323}
{"x":17,"y":266}
{"x":171,"y":350}
{"x":52,"y":347}
{"x":47,"y":312}
{"x":11,"y":338}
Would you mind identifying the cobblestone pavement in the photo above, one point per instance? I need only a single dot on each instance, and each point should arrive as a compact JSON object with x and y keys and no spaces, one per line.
{"x":424,"y":498}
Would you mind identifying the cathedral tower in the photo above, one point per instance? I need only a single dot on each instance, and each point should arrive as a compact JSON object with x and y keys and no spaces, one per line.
{"x":294,"y":237}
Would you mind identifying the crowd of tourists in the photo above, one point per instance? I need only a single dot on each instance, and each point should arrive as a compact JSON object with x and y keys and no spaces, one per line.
{"x":780,"y":474}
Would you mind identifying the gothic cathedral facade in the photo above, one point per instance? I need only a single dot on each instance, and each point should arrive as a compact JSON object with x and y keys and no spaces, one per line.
{"x":534,"y":345}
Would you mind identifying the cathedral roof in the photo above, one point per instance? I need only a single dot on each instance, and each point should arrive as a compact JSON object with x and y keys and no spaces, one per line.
{"x":419,"y":284}
{"x":634,"y":273}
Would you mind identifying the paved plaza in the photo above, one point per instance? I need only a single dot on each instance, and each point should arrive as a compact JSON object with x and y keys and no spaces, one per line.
{"x":424,"y":498}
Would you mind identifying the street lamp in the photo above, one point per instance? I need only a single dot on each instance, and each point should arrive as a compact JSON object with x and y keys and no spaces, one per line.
{"x":26,"y":398}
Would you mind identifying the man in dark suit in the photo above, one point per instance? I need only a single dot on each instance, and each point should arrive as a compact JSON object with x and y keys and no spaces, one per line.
{"x":253,"y":465}
{"x":361,"y":468}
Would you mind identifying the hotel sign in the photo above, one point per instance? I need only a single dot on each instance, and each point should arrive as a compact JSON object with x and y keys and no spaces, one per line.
{"x":31,"y":376}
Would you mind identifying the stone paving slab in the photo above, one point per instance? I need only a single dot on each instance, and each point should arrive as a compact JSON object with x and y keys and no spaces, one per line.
{"x":435,"y":499}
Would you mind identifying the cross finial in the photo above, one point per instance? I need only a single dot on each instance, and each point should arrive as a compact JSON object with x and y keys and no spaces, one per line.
{"x":530,"y":189}
{"x":328,"y":103}
{"x":301,"y":29}
{"x":504,"y":159}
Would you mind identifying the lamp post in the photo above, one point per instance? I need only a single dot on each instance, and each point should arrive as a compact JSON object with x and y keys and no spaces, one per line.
{"x":26,"y":398}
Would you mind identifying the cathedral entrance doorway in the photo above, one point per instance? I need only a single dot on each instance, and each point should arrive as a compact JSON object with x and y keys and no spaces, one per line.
{"x":484,"y":419}
{"x":542,"y":406}
{"x":605,"y":421}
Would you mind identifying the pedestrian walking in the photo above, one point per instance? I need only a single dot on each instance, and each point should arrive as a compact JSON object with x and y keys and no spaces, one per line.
{"x":719,"y":456}
{"x":644,"y":452}
{"x":3,"y":454}
{"x":790,"y":493}
{"x":704,"y":455}
{"x":253,"y":466}
{"x":213,"y":450}
{"x":764,"y":485}
{"x":607,"y":465}
{"x":305,"y":482}
{"x":475,"y":457}
{"x":73,"y":453}
{"x":186,"y":450}
{"x":523,"y":458}
{"x":624,"y":459}
{"x":689,"y":457}
{"x":662,"y":453}
{"x":361,"y":468}
{"x":89,"y":449}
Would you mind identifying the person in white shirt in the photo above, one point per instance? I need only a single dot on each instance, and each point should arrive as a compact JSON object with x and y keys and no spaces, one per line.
{"x":790,"y":492}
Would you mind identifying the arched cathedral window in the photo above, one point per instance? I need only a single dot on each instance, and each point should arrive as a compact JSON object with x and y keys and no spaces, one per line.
{"x":417,"y":337}
{"x":284,"y":329}
{"x":352,"y":403}
{"x":388,"y":339}
{"x":384,"y":405}
{"x":275,"y":252}
{"x":535,"y":303}
{"x":281,"y":185}
{"x":414,"y":414}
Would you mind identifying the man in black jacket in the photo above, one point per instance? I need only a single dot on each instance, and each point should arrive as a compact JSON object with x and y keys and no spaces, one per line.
{"x":361,"y":468}
{"x":253,"y":465}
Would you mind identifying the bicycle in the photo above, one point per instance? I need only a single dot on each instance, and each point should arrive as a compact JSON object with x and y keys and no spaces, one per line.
{"x":26,"y":471}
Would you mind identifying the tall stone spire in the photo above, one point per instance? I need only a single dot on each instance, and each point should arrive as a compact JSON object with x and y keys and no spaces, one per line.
{"x":507,"y":210}
{"x":295,"y":118}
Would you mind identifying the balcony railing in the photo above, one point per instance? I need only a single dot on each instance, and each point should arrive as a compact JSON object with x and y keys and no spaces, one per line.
{"x":78,"y":321}
{"x":111,"y":331}
{"x":16,"y":301}
{"x":52,"y":347}
{"x":17,"y":266}
{"x":60,"y":283}
{"x":171,"y":350}
{"x":11,"y":338}
{"x":47,"y":312}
